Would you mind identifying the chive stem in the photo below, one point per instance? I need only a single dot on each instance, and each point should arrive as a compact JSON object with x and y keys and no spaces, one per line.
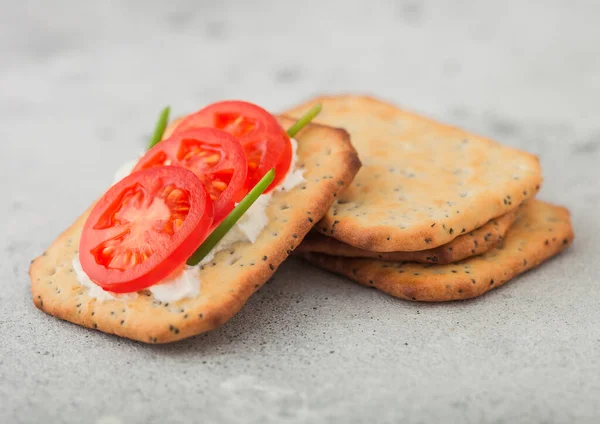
{"x":161,"y":125}
{"x":304,"y":120}
{"x":231,"y":219}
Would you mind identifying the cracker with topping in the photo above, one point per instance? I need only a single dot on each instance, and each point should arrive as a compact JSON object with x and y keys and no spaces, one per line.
{"x":330,"y":163}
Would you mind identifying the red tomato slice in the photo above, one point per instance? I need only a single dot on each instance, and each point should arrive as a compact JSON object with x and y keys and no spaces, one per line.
{"x":144,"y":228}
{"x":265,"y":143}
{"x":216,"y":158}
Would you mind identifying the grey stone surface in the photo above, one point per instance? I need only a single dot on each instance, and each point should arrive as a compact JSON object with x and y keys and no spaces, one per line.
{"x":80,"y":85}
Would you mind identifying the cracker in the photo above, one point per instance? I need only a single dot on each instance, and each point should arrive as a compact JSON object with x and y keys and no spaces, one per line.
{"x":469,"y":244}
{"x":422,"y":183}
{"x":541,"y":231}
{"x":226,"y":283}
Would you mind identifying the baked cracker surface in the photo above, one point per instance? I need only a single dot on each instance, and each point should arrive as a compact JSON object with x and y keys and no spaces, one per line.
{"x":330,"y":163}
{"x":474,"y":243}
{"x":422,"y":183}
{"x":541,"y":231}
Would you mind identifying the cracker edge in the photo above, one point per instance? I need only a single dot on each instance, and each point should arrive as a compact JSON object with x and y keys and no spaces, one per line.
{"x":454,"y":251}
{"x":433,"y":290}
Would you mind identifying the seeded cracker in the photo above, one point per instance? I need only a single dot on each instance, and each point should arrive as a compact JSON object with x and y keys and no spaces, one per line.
{"x":226,"y":284}
{"x":422,"y":183}
{"x":468,"y":244}
{"x":541,"y":231}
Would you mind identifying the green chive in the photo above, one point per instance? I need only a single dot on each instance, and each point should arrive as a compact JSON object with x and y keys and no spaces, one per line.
{"x":161,"y":125}
{"x":231,"y":219}
{"x":304,"y":120}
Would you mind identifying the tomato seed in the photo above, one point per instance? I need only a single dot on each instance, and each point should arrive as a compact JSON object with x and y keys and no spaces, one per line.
{"x":212,"y":159}
{"x":175,"y":194}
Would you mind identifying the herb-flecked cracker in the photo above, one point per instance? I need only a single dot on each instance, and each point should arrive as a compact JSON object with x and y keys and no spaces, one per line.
{"x":330,"y":163}
{"x":422,"y":183}
{"x":541,"y":231}
{"x":474,"y":243}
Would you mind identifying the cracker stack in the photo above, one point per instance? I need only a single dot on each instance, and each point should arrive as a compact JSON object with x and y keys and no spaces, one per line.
{"x":435,"y":213}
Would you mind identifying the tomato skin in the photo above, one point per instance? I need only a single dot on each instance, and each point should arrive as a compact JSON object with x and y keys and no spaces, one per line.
{"x":144,"y":228}
{"x":216,"y":157}
{"x":265,"y":143}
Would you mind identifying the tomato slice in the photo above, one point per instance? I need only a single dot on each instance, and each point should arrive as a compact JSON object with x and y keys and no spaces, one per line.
{"x":265,"y":143}
{"x":216,"y":158}
{"x":144,"y":228}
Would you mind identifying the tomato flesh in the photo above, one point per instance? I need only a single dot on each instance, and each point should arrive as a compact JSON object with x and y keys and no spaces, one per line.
{"x":265,"y":143}
{"x":144,"y":228}
{"x":214,"y":156}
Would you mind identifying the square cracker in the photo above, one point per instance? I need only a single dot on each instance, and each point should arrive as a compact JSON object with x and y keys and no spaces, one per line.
{"x":422,"y":183}
{"x":226,"y":284}
{"x":541,"y":231}
{"x":474,"y":243}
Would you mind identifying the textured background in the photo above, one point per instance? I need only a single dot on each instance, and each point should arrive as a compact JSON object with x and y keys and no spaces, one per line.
{"x":81,"y":83}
